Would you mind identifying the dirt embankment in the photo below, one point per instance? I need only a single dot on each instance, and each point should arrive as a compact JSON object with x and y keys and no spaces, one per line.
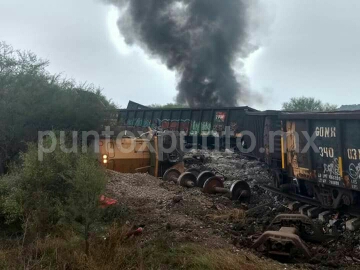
{"x":213,"y":221}
{"x":184,"y":215}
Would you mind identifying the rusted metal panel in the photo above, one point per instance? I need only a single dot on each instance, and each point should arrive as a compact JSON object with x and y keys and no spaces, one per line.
{"x":335,"y":161}
{"x":298,"y":163}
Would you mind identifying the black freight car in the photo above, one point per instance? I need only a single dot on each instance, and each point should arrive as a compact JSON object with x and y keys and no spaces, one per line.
{"x":266,"y":142}
{"x":196,"y":124}
{"x":207,"y":127}
{"x":329,"y":172}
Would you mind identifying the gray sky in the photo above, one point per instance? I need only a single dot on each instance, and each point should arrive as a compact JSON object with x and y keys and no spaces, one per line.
{"x":307,"y":48}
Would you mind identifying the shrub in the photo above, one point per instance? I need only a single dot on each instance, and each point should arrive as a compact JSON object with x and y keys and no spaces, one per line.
{"x":87,"y":184}
{"x":40,"y":195}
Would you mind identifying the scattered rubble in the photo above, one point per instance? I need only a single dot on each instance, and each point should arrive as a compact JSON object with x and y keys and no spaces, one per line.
{"x":215,"y":220}
{"x":187,"y":215}
{"x":344,"y":248}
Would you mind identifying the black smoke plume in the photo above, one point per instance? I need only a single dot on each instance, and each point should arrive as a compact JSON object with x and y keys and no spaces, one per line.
{"x":199,"y":39}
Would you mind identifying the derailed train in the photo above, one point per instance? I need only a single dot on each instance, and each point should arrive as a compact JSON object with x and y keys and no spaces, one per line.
{"x":314,"y":157}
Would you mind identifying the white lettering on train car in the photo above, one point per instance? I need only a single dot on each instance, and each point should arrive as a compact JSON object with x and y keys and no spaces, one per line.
{"x":326,"y":132}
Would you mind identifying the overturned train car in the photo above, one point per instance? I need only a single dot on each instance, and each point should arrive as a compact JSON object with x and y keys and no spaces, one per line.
{"x":247,"y":128}
{"x":200,"y":127}
{"x":130,"y":154}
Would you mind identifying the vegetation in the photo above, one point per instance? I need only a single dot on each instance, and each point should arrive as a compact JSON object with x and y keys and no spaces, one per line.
{"x":169,"y":106}
{"x":54,"y":204}
{"x":88,"y":183}
{"x":305,"y":104}
{"x":32,"y":100}
{"x":354,"y":107}
{"x":119,"y":252}
{"x":62,"y":190}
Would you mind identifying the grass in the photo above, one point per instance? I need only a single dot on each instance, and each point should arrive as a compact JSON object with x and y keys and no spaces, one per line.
{"x":234,"y":215}
{"x":66,"y":251}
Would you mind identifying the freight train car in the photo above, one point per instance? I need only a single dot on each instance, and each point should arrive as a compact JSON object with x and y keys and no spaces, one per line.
{"x":207,"y":127}
{"x":327,"y":174}
{"x":194,"y":123}
{"x":266,"y":142}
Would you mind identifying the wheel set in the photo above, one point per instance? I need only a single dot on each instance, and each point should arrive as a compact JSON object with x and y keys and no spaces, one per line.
{"x":209,"y":183}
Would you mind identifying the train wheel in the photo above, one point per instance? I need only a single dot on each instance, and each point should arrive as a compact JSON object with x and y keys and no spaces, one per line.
{"x":194,"y":171}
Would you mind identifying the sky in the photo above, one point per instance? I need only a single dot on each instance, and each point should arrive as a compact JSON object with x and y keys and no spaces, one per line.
{"x":306,"y":48}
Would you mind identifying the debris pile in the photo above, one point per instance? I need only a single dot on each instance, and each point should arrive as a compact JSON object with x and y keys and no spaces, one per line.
{"x":187,"y":214}
{"x":341,"y":249}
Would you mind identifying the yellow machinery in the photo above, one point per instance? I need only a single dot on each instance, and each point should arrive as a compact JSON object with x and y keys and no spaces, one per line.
{"x":140,"y":155}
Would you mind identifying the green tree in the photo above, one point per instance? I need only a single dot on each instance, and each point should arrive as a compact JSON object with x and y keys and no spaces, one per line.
{"x":88,"y":184}
{"x":32,"y":100}
{"x":354,"y":107}
{"x":307,"y":104}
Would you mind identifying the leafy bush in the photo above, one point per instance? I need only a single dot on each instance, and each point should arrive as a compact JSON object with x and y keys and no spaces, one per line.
{"x":63,"y":188}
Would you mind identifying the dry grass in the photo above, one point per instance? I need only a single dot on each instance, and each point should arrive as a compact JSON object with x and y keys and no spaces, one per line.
{"x":117,"y":252}
{"x":234,"y":215}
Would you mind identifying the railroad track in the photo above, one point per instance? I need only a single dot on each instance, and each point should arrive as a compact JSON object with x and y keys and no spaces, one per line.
{"x":305,"y":224}
{"x":288,"y":231}
{"x":317,"y":208}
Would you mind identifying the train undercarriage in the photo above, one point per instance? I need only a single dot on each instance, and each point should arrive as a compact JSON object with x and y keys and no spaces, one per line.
{"x":313,"y":193}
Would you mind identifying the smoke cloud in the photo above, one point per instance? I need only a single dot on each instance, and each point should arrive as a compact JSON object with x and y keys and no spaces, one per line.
{"x":199,"y":39}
